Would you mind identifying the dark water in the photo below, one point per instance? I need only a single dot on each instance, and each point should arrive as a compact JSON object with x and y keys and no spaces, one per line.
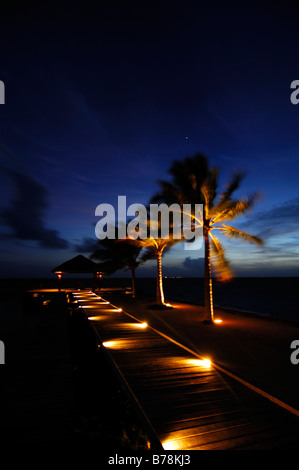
{"x":277,"y":297}
{"x":274,"y":297}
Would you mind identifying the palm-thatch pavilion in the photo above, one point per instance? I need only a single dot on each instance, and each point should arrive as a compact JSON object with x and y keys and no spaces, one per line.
{"x":78,"y":265}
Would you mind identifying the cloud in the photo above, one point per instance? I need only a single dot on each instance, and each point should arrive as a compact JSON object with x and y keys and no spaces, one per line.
{"x":280,"y":220}
{"x":87,"y":245}
{"x":25,"y":215}
{"x":278,"y":228}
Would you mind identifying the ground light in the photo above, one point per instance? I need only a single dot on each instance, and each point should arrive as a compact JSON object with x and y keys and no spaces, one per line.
{"x":97,"y":317}
{"x":90,"y":306}
{"x":170,"y":445}
{"x":217,"y":320}
{"x":205,"y":362}
{"x":139,"y":325}
{"x":110,"y":344}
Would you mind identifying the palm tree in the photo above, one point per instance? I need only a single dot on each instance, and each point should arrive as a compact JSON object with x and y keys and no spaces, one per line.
{"x":118,"y":254}
{"x":154,"y":248}
{"x":195,"y":183}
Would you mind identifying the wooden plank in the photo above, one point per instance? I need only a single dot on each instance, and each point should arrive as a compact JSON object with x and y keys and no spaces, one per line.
{"x":190,"y":407}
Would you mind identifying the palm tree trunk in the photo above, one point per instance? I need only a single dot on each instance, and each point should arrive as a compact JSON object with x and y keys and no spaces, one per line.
{"x":160,"y":293}
{"x":133,"y":282}
{"x":208,"y":288}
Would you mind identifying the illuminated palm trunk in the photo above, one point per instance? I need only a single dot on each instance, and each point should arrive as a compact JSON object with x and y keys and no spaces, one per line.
{"x":159,"y":293}
{"x":133,"y":282}
{"x":208,"y":287}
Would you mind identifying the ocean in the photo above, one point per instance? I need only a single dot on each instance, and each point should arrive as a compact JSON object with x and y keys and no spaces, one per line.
{"x":273,"y":297}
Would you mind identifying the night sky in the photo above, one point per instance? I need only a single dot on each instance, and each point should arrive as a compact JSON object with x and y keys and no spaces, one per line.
{"x":100,"y":102}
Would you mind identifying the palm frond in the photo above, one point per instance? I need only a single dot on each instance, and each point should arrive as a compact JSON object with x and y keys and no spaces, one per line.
{"x":148,"y":254}
{"x":221,"y":265}
{"x":232,"y":232}
{"x":116,"y":254}
{"x":233,"y":209}
{"x":226,"y":195}
{"x":168,"y":193}
{"x":209,"y":188}
{"x":188,"y":177}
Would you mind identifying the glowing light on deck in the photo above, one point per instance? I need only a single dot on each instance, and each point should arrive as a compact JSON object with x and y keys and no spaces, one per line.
{"x":118,"y":309}
{"x":200,"y":362}
{"x":141,"y":325}
{"x":123,"y":344}
{"x":134,"y":325}
{"x":168,"y":305}
{"x":205,"y":362}
{"x":116,"y":344}
{"x":109,"y":344}
{"x":91,"y":306}
{"x":171,"y":444}
{"x":95,"y":318}
{"x":83,"y":295}
{"x":217,"y":320}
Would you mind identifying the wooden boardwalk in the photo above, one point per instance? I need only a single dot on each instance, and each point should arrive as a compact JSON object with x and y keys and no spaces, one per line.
{"x":190,"y":403}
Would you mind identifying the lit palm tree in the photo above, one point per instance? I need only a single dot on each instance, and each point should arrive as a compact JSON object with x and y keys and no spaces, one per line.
{"x":195,"y":183}
{"x":154,"y":246}
{"x":118,"y":254}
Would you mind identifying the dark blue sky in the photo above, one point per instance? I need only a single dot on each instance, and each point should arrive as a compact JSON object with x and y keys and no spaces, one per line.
{"x":99,"y":102}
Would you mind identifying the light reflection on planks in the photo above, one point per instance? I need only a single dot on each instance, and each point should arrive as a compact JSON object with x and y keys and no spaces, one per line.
{"x":191,"y":405}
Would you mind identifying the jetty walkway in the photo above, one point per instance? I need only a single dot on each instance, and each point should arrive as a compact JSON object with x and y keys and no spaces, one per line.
{"x":188,"y":402}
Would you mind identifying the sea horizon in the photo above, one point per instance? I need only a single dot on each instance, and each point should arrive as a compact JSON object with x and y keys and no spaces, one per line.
{"x":273,"y":296}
